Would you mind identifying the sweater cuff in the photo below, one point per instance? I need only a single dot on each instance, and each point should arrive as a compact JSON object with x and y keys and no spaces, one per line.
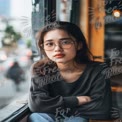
{"x":70,"y":102}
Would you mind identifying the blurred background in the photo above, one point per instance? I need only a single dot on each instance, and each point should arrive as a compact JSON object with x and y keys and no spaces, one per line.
{"x":15,"y":49}
{"x":20,"y":20}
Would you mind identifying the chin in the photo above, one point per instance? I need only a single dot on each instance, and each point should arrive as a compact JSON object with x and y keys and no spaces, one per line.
{"x":59,"y":60}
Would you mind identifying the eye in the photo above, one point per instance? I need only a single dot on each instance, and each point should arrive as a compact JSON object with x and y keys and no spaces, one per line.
{"x":49,"y":44}
{"x":64,"y":42}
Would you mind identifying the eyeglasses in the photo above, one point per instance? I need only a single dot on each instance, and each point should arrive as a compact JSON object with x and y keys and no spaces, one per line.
{"x":65,"y":44}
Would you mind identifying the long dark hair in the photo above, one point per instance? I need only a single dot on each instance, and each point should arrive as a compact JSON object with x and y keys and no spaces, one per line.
{"x":83,"y":55}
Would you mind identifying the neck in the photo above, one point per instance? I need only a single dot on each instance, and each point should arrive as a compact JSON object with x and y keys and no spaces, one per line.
{"x":67,"y":67}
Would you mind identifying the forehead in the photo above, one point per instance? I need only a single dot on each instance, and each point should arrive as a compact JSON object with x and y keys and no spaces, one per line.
{"x":57,"y":34}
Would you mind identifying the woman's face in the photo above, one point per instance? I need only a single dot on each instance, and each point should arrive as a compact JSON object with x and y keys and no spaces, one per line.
{"x":59,"y":46}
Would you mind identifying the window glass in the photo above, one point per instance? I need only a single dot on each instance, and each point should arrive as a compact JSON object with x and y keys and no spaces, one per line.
{"x":15,"y":49}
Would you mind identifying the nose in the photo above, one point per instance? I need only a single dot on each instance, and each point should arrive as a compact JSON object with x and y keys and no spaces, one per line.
{"x":58,"y":47}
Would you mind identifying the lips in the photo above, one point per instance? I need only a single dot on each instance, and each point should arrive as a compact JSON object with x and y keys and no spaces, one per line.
{"x":59,"y":55}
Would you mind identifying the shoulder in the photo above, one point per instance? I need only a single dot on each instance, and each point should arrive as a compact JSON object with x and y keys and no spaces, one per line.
{"x":97,"y":72}
{"x":97,"y":67}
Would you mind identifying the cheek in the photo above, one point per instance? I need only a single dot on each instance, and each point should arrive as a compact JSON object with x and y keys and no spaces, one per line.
{"x":49,"y":55}
{"x":71,"y":53}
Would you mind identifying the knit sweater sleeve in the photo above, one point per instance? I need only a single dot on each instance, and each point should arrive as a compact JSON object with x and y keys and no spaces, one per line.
{"x":100,"y":93}
{"x":41,"y":101}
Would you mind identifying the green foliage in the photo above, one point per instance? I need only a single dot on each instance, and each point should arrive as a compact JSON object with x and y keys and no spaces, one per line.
{"x":28,"y":42}
{"x":11,"y":35}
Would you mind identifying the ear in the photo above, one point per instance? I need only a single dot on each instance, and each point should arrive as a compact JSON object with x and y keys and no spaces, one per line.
{"x":80,"y":45}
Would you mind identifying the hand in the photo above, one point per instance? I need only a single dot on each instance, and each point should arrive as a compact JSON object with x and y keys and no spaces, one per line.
{"x":83,"y":99}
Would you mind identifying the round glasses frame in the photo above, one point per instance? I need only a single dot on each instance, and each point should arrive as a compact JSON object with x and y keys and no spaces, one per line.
{"x":61,"y":44}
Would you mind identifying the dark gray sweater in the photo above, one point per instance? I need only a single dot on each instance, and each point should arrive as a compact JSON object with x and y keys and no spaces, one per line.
{"x":49,"y":93}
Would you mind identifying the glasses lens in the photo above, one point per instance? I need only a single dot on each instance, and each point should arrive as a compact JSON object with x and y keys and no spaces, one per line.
{"x":65,"y":44}
{"x":49,"y":46}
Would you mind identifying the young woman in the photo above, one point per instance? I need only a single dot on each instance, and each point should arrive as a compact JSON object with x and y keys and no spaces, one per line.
{"x":67,"y":85}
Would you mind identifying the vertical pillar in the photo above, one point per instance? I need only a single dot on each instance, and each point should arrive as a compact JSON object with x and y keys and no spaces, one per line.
{"x":84,"y":19}
{"x":92,"y":24}
{"x":96,"y":28}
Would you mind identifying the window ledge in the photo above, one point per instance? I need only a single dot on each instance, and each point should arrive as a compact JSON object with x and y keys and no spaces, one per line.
{"x":13,"y":108}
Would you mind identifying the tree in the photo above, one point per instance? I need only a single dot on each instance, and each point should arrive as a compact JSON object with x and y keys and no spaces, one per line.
{"x":11,"y":36}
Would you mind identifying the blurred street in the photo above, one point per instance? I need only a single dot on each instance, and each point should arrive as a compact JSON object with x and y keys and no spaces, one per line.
{"x":8,"y":91}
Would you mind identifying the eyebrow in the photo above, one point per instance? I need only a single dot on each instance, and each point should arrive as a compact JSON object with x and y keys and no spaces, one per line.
{"x":50,"y":40}
{"x":65,"y":38}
